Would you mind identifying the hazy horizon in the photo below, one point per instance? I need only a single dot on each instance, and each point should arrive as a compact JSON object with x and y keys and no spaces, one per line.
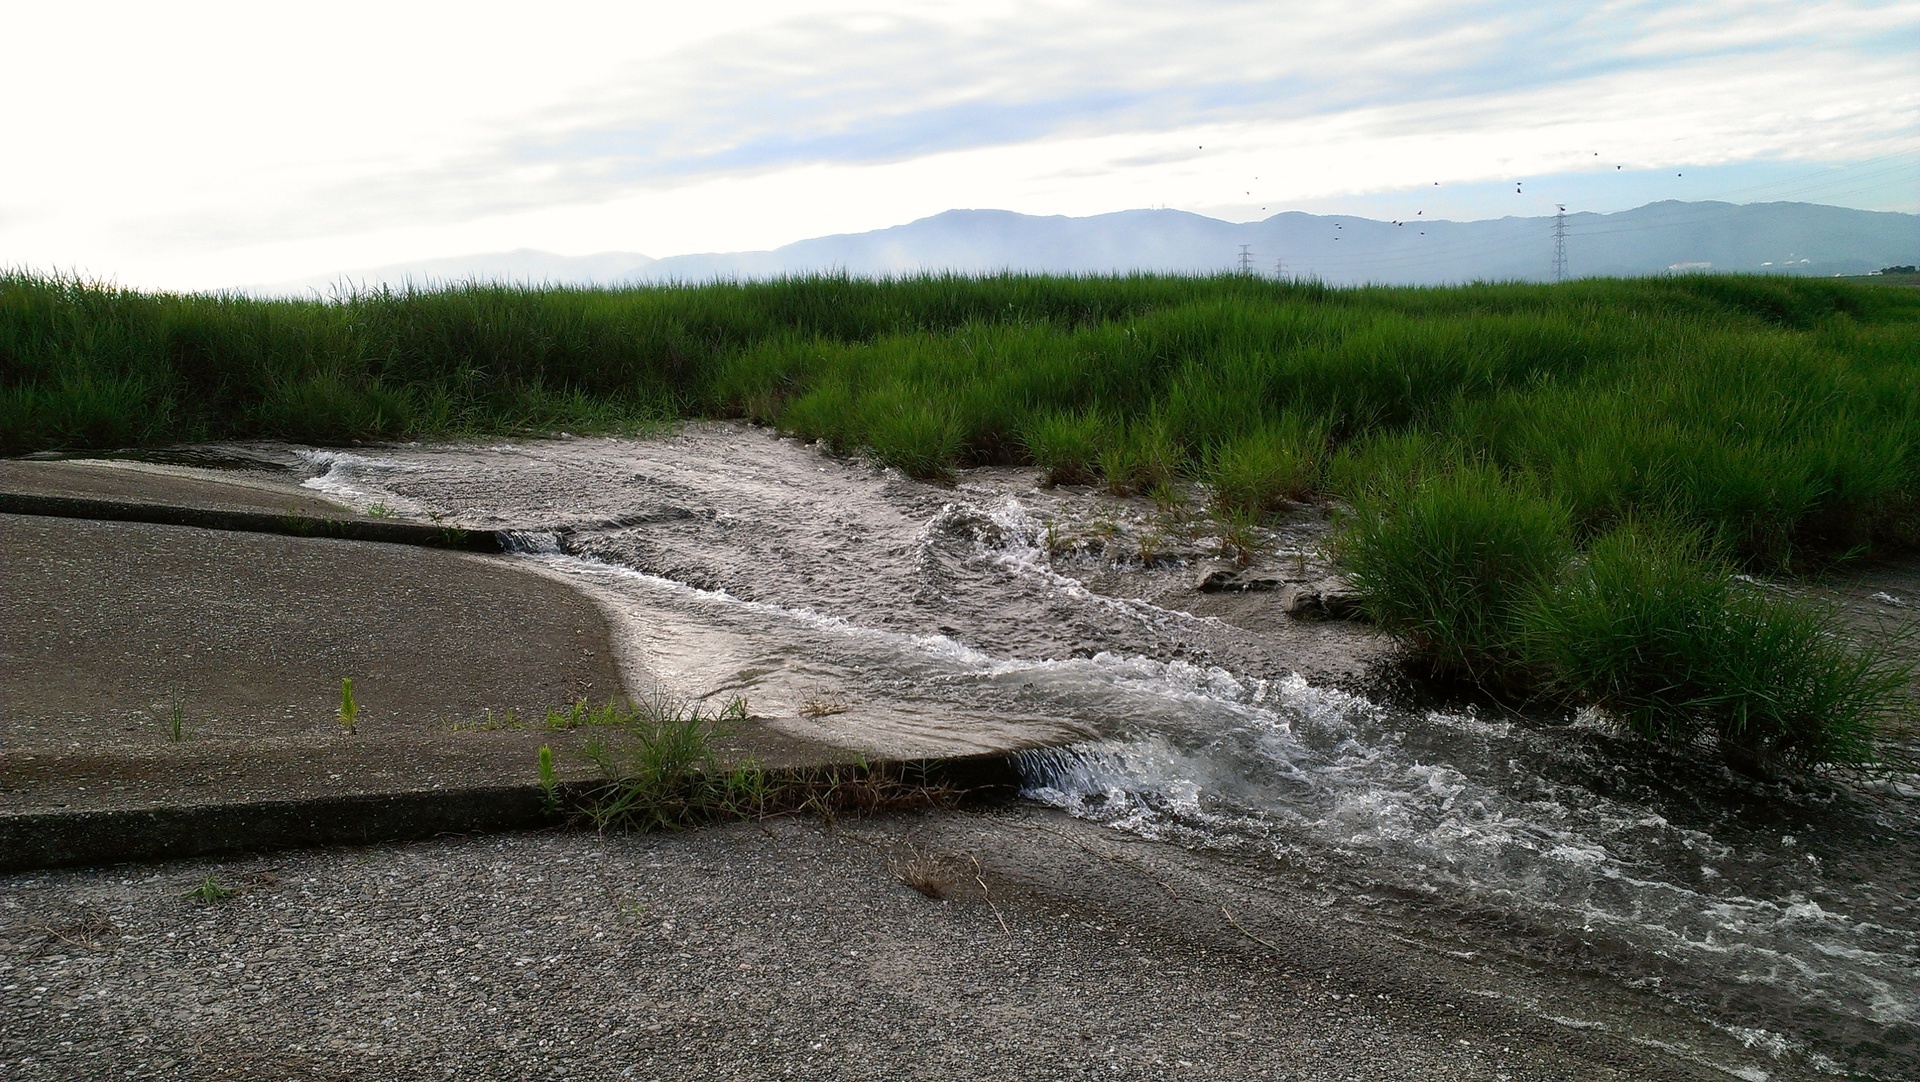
{"x":1649,"y":239}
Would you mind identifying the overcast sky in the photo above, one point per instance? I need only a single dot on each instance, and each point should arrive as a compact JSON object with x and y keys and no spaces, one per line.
{"x":204,"y":145}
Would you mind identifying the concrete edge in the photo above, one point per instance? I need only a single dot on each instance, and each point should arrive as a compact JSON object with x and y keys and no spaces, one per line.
{"x":291,"y":524}
{"x":53,"y":839}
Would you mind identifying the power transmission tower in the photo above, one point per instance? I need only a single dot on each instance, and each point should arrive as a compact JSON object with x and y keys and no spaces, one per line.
{"x":1560,"y":243}
{"x":1246,"y":260}
{"x":1280,"y":268}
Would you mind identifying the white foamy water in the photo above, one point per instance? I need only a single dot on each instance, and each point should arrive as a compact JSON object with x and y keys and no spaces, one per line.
{"x":850,"y":605}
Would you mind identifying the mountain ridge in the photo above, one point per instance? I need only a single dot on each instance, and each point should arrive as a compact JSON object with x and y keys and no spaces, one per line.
{"x":1661,"y":237}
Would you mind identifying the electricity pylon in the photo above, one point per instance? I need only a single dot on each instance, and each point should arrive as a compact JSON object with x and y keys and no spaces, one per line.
{"x":1560,"y":243}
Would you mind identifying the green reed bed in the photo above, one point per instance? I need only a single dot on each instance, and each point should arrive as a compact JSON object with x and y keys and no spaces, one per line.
{"x":1490,"y":441}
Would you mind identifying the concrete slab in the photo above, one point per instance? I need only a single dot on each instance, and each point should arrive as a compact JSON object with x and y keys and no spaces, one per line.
{"x":173,"y":486}
{"x":106,"y":625}
{"x":246,"y":501}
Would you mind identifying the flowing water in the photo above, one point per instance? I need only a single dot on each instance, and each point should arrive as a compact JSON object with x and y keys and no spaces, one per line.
{"x":851,"y":605}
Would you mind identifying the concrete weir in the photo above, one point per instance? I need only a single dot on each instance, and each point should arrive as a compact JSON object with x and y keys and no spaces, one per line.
{"x":172,"y":647}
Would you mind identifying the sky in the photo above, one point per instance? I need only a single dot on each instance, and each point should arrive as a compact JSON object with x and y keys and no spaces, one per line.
{"x":196,"y":145}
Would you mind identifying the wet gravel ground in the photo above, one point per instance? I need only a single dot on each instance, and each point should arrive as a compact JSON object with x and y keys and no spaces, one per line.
{"x":790,"y":948}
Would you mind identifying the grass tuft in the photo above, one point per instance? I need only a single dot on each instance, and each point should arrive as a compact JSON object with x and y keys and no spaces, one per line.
{"x":209,"y":891}
{"x":1066,"y":446}
{"x":657,"y":766}
{"x":1649,"y":627}
{"x":1256,"y":474}
{"x":1449,"y":562}
{"x":349,"y":711}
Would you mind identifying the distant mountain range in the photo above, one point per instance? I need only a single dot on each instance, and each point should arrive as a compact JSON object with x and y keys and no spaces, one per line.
{"x":1659,"y":238}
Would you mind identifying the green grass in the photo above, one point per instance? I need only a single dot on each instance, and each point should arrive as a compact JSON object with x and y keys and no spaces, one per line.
{"x":1447,"y":562}
{"x":209,"y":891}
{"x":1480,"y":575}
{"x":349,"y":711}
{"x":1649,"y":627}
{"x":657,"y":769}
{"x":657,"y":766}
{"x":174,"y":721}
{"x":1775,"y":420}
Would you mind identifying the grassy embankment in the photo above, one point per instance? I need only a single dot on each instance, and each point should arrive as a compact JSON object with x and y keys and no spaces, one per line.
{"x":1550,"y":488}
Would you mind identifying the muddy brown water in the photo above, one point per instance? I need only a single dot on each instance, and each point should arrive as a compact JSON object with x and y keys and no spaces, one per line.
{"x":848,"y":604}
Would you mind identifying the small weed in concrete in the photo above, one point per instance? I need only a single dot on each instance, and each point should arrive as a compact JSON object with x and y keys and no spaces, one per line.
{"x":580,"y":714}
{"x":549,"y":781}
{"x":349,"y":710}
{"x":174,"y":721}
{"x":1153,"y":547}
{"x":209,"y":891}
{"x":1059,"y":542}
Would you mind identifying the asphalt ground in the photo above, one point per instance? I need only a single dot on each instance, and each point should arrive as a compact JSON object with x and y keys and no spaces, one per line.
{"x":1008,"y":943}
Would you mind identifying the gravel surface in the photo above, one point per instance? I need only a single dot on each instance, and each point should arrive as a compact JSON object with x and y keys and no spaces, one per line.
{"x":789,"y":948}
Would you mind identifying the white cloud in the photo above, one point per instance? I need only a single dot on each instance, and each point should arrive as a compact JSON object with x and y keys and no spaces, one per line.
{"x":230,"y":143}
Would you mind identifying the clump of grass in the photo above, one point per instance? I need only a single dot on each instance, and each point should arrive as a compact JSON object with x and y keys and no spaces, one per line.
{"x":1066,"y":446}
{"x":1257,"y":473}
{"x":857,"y":790}
{"x":659,"y":770}
{"x":1481,"y":577}
{"x":1449,"y":562}
{"x":582,"y":714}
{"x":1653,"y":629}
{"x":925,"y":874}
{"x":1140,"y":458}
{"x":915,"y":434}
{"x":1239,"y":539}
{"x":658,"y":767}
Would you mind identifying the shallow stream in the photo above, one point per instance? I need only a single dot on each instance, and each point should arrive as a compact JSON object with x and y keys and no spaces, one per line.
{"x":851,"y":605}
